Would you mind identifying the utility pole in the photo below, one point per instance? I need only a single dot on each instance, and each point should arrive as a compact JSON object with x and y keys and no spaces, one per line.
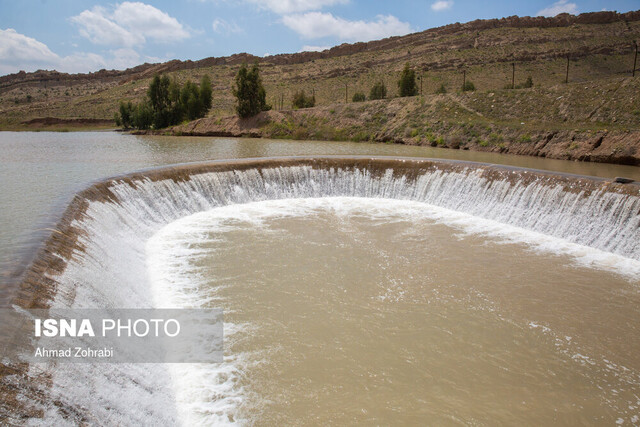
{"x":513,"y":75}
{"x":635,"y":59}
{"x":566,"y":79}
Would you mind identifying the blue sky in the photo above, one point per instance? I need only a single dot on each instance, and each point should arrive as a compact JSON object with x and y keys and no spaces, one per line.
{"x":82,"y":36}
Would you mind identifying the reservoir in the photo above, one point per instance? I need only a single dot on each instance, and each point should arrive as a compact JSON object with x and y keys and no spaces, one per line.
{"x":355,"y":290}
{"x":40,"y":171}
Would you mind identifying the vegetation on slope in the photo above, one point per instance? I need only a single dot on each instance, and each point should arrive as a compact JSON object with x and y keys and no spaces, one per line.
{"x":563,"y":122}
{"x":166,"y":104}
{"x":518,"y":67}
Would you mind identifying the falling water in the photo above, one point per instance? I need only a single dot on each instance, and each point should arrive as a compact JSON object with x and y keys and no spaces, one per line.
{"x":593,"y":225}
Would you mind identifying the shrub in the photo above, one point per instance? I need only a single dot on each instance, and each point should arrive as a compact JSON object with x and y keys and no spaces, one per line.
{"x":525,"y":138}
{"x":407,"y":83}
{"x":301,"y":100}
{"x":495,"y":138}
{"x":468,"y":86}
{"x":526,"y":85}
{"x":378,"y":91}
{"x":441,"y":89}
{"x":361,"y":136}
{"x":359,"y":97}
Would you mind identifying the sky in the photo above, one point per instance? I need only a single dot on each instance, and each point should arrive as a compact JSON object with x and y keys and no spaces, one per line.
{"x":83,"y":35}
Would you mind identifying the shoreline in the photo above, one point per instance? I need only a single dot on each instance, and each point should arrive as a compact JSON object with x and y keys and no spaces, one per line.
{"x":458,"y":121}
{"x":418,"y":121}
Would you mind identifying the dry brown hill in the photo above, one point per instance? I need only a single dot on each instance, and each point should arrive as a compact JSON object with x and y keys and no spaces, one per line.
{"x":600,"y":48}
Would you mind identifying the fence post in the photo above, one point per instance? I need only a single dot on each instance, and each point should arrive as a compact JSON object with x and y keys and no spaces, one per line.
{"x":566,"y":78}
{"x":346,"y":93}
{"x":513,"y":75}
{"x":635,"y":59}
{"x":464,"y":79}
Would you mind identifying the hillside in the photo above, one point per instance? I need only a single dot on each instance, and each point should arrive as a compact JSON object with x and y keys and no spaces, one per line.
{"x":600,"y":94}
{"x":536,"y":122}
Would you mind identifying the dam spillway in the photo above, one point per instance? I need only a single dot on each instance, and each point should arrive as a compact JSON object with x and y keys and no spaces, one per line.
{"x":99,"y":254}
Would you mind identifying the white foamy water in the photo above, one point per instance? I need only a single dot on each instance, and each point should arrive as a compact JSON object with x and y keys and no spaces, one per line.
{"x":140,"y":253}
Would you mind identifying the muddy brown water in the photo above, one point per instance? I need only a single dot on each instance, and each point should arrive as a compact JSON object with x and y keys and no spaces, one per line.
{"x":363,"y":311}
{"x":368,"y":311}
{"x":40,"y":171}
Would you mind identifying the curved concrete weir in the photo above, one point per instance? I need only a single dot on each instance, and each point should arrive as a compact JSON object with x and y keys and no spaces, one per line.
{"x":96,"y":257}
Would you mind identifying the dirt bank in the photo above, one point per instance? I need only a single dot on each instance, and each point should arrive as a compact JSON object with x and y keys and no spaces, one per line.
{"x":55,"y":122}
{"x":440,"y":121}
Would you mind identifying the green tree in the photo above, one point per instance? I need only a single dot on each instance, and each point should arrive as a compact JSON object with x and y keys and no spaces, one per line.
{"x":191,"y":101}
{"x":301,"y":100}
{"x":206,"y":93}
{"x":167,"y":104}
{"x":143,"y":116}
{"x":176,"y":109}
{"x":158,"y":93}
{"x":126,"y":113}
{"x":249,"y":92}
{"x":407,"y":83}
{"x":378,"y":91}
{"x":359,"y":97}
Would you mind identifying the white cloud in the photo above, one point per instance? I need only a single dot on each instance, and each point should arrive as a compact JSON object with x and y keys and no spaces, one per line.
{"x":221,"y":26}
{"x":313,"y":25}
{"x":130,"y":24}
{"x":20,"y":52}
{"x":118,"y":59}
{"x":149,"y":21}
{"x":80,"y":63}
{"x":561,"y":6}
{"x":284,"y":7}
{"x":308,"y":48}
{"x":101,"y":30}
{"x":442,"y":5}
